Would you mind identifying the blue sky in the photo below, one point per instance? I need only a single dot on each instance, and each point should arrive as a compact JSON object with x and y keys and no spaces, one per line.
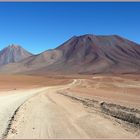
{"x":41,"y":26}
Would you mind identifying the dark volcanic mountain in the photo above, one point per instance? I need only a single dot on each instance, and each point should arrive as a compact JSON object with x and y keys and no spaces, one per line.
{"x":13,"y":53}
{"x":84,"y":54}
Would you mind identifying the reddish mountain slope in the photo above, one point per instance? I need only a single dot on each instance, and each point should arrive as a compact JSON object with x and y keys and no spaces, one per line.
{"x":84,"y":54}
{"x":13,"y":53}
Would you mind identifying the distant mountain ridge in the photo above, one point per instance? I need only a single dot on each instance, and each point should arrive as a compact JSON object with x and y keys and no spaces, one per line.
{"x":13,"y":53}
{"x":86,"y":54}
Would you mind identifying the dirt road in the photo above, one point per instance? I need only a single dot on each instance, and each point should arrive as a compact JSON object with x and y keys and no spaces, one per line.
{"x":10,"y":101}
{"x":52,"y":115}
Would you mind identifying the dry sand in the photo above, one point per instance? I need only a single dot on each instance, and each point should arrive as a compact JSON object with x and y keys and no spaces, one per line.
{"x":123,"y":90}
{"x":51,"y":115}
{"x":10,"y":101}
{"x":44,"y":113}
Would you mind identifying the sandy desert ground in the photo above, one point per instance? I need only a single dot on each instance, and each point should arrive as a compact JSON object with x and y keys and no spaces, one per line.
{"x":74,"y":106}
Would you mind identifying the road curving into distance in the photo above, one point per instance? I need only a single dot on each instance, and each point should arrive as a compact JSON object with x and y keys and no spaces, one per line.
{"x":43,"y":113}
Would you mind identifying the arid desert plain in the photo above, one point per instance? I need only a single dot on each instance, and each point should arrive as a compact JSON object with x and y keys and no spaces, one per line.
{"x":69,"y":70}
{"x":69,"y":106}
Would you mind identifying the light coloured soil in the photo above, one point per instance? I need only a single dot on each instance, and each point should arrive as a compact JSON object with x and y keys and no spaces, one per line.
{"x":46,"y":114}
{"x":10,"y":101}
{"x":51,"y":115}
{"x":114,"y":89}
